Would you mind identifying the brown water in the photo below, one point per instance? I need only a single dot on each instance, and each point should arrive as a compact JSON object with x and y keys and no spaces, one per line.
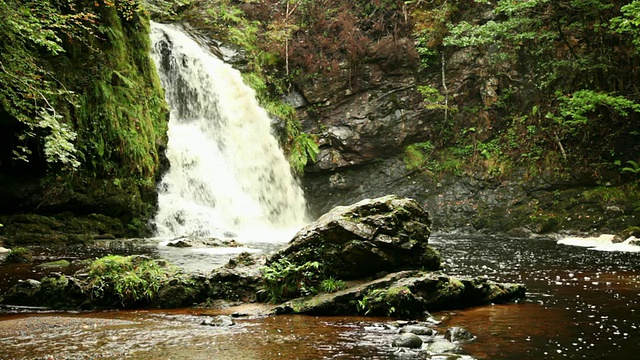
{"x":179,"y":335}
{"x":582,"y":304}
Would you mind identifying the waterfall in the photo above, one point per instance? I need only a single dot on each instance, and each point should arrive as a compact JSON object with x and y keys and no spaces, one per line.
{"x":228,"y":176}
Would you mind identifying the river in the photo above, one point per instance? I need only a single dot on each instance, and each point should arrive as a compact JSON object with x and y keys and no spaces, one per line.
{"x":581,"y":304}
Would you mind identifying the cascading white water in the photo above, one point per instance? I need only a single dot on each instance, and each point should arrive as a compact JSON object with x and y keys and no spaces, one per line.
{"x":227,"y":172}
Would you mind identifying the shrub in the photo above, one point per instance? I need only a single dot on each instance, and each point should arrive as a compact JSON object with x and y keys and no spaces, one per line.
{"x":332,"y":285}
{"x":284,"y":280}
{"x":129,"y":280}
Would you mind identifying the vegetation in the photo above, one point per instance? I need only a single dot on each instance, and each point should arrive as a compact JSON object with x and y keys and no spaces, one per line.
{"x":387,"y":302}
{"x":331,"y":285}
{"x":284,"y":280}
{"x":68,"y":68}
{"x":81,"y":107}
{"x":540,"y":111}
{"x":128,"y":280}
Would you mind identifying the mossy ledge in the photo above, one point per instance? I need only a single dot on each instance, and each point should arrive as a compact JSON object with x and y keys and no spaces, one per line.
{"x":104,"y":88}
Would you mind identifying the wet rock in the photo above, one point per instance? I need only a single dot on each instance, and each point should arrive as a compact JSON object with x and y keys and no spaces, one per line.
{"x":384,"y":234}
{"x":19,"y":256}
{"x":23,"y":290}
{"x":408,"y":294}
{"x":459,"y":335}
{"x":202,"y":242}
{"x":179,"y":244}
{"x":451,"y":357}
{"x":418,"y":330}
{"x":443,"y":346}
{"x":182,"y":291}
{"x":632,"y":231}
{"x":238,"y":281}
{"x":408,"y":340}
{"x":219,"y":321}
{"x":104,"y":237}
{"x":244,"y":259}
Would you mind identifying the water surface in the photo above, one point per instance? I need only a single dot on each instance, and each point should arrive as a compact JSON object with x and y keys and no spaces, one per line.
{"x":581,"y":304}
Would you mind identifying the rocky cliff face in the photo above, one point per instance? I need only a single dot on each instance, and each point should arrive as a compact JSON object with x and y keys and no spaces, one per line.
{"x":365,"y":120}
{"x":367,"y":115}
{"x":519,"y":205}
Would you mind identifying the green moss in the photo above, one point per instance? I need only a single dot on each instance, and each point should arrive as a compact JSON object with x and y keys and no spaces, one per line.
{"x":54,"y":264}
{"x":453,"y":288}
{"x":19,"y":255}
{"x":121,"y":112}
{"x":397,"y":300}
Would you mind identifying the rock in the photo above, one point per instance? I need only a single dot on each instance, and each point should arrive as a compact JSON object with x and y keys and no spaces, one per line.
{"x":408,"y":294}
{"x":4,"y":250}
{"x":219,"y":321}
{"x":179,"y":244}
{"x":106,"y":236}
{"x":418,"y":330}
{"x":236,"y":283}
{"x":443,"y":346}
{"x":19,"y":256}
{"x":408,"y":340}
{"x":451,"y":357}
{"x":457,"y":334}
{"x":54,"y":264}
{"x":244,"y":259}
{"x":25,"y":289}
{"x":202,"y":242}
{"x":384,"y":234}
{"x":182,"y":291}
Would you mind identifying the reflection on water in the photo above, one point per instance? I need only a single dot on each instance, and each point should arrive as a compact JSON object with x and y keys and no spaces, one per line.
{"x":581,"y":304}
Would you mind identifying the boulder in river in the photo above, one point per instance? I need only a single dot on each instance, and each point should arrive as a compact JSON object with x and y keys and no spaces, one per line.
{"x":408,"y":340}
{"x":457,"y":334}
{"x":386,"y":234}
{"x":407,"y":294}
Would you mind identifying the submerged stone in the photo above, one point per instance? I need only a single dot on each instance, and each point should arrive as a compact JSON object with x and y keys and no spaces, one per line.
{"x":219,"y":321}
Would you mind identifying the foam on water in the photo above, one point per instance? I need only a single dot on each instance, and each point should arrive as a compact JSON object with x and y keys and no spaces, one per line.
{"x":601,"y":243}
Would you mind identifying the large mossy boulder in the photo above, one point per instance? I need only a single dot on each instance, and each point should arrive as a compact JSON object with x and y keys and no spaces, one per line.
{"x":386,"y":234}
{"x":407,"y":294}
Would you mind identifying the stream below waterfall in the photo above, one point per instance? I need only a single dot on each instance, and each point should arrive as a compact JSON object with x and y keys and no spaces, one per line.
{"x":581,"y":304}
